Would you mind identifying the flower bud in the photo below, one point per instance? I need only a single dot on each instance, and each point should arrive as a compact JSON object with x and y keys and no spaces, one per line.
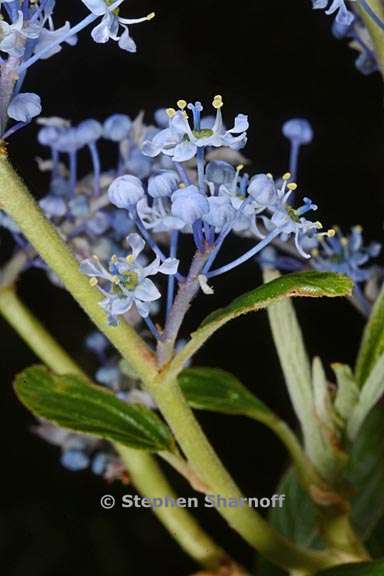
{"x":220,"y":172}
{"x":189,"y":204}
{"x":298,"y":130}
{"x":89,"y":131}
{"x":125,"y":191}
{"x":117,"y":127}
{"x":262,"y":189}
{"x":163,"y":184}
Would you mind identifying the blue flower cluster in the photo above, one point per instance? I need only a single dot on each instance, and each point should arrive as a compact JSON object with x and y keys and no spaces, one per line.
{"x":28,"y":34}
{"x":206,"y":200}
{"x":336,"y":253}
{"x":80,"y":452}
{"x":182,"y":176}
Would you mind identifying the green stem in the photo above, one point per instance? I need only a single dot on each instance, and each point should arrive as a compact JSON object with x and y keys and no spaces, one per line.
{"x":142,"y":467}
{"x":376,"y":34}
{"x":34,"y":334}
{"x":246,"y":521}
{"x":305,"y":469}
{"x":19,"y":204}
{"x":149,"y":480}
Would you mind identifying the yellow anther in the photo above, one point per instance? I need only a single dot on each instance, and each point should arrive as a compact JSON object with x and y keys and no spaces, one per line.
{"x":96,"y":258}
{"x":318,"y":225}
{"x":331,"y":233}
{"x":181,"y":104}
{"x":115,"y":279}
{"x":239,"y":167}
{"x":344,"y":241}
{"x":181,"y":185}
{"x":287,"y":176}
{"x":130,"y":258}
{"x":151,"y":16}
{"x":315,"y":252}
{"x":358,"y":228}
{"x":217,"y":102}
{"x":114,"y":259}
{"x":270,"y":176}
{"x":292,"y":186}
{"x":93,"y":282}
{"x":171,"y":112}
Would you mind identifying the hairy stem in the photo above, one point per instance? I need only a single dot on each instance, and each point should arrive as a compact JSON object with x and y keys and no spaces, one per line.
{"x":145,"y":473}
{"x":206,"y":464}
{"x":186,"y":293}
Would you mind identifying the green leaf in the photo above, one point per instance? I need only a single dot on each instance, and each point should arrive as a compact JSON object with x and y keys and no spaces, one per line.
{"x":365,"y":473}
{"x":73,"y":403}
{"x":347,"y":390}
{"x":304,"y":387}
{"x":322,"y":396}
{"x":370,"y":394}
{"x":298,"y":519}
{"x":375,"y":543}
{"x":219,"y":391}
{"x":375,"y":568}
{"x":307,"y":284}
{"x":372,"y":345}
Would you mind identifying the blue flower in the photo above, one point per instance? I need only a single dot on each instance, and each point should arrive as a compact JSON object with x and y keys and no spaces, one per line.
{"x":346,"y":254}
{"x":109,"y":27}
{"x":181,"y":141}
{"x":343,"y":16}
{"x":13,"y":36}
{"x":75,"y":460}
{"x":127,"y":281}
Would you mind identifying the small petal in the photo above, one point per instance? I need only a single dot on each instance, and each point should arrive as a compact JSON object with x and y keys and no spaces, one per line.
{"x":97,"y":7}
{"x":136,"y":243}
{"x":206,"y":289}
{"x":126,"y":42}
{"x":169,"y":266}
{"x":146,"y":291}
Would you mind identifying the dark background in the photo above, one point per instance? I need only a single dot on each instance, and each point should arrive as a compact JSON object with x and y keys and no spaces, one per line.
{"x":270,"y":60}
